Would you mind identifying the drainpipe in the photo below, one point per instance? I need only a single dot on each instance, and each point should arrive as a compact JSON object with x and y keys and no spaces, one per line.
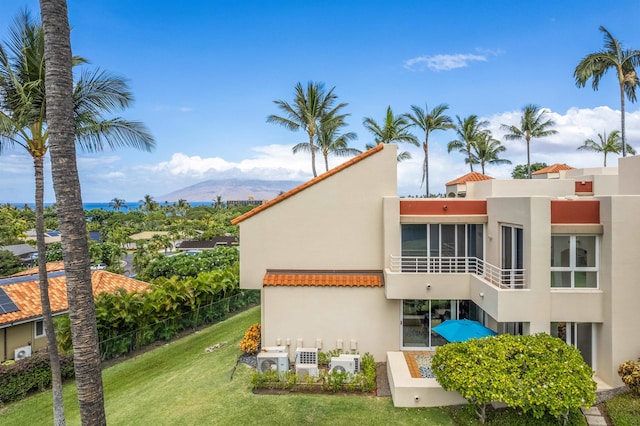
{"x":4,"y":344}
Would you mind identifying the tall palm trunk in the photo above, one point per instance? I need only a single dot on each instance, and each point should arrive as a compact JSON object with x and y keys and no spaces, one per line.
{"x":528,"y":158}
{"x":52,"y":345}
{"x":75,"y":249}
{"x":313,"y":155}
{"x":425,"y":147}
{"x":623,"y":133}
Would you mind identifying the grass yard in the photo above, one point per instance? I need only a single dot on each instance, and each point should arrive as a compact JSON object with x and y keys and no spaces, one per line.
{"x":624,"y":410}
{"x":180,"y":383}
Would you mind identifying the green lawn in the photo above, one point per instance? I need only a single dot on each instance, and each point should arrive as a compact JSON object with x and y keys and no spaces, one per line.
{"x":180,"y":383}
{"x":624,"y":410}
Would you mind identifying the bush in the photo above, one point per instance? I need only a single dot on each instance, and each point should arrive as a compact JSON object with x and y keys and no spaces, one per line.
{"x":537,"y":374}
{"x":629,"y":372}
{"x":250,"y":344}
{"x":29,"y":375}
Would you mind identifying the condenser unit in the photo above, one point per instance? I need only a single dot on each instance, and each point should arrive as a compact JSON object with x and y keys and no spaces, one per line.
{"x":342,"y":365}
{"x":307,"y":356}
{"x":275,"y":349}
{"x":273,"y":361}
{"x":303,"y":370}
{"x":22,"y":353}
{"x":355,"y":358}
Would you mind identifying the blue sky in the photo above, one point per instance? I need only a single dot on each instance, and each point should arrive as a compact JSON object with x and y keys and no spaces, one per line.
{"x":205,"y":75}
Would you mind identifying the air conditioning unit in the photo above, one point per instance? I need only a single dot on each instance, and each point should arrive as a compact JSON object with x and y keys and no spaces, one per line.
{"x":273,"y":361}
{"x":354,"y":357}
{"x":342,"y":365}
{"x":307,"y":356}
{"x":303,"y":370}
{"x":275,"y":349}
{"x":22,"y":353}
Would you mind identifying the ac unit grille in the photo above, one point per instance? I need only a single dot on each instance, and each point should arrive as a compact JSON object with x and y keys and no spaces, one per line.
{"x":307,"y":356}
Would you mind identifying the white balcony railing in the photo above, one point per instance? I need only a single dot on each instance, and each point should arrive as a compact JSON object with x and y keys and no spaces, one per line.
{"x":502,"y":278}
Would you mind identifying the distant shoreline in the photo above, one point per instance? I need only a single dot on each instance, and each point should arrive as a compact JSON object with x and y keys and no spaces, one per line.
{"x":106,"y":206}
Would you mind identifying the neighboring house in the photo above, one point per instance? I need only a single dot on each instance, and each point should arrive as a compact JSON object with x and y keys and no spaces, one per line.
{"x":344,"y":263}
{"x":144,"y":236}
{"x":50,"y":236}
{"x":24,"y":252}
{"x":226,"y":241}
{"x":457,"y":188}
{"x":21,"y":324}
{"x":241,"y":203}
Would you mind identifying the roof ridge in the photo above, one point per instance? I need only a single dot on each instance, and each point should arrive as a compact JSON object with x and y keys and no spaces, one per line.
{"x":307,"y":184}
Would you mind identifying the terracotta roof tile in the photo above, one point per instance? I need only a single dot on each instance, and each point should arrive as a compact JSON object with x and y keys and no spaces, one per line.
{"x":554,"y":168}
{"x":299,"y":278}
{"x":307,"y":184}
{"x":469,"y":177}
{"x":26,"y":294}
{"x":51,"y":267}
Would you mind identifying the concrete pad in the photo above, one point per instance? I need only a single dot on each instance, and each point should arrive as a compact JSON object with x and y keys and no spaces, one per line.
{"x":596,"y":421}
{"x":591,"y":411}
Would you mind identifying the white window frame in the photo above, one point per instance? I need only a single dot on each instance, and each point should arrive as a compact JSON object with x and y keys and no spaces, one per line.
{"x":35,"y":329}
{"x":572,"y":262}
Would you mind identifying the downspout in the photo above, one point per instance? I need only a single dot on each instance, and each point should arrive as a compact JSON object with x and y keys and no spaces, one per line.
{"x":4,"y":341}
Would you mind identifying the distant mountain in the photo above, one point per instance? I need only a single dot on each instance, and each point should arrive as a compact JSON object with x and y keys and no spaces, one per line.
{"x":230,"y":189}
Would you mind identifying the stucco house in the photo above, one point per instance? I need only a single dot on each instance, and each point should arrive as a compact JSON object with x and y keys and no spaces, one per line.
{"x":344,"y":263}
{"x":21,"y":322}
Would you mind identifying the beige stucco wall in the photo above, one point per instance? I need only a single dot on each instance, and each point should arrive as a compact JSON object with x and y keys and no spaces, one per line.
{"x":362,"y":318}
{"x":519,"y":188}
{"x":334,"y":224}
{"x":618,"y":337}
{"x":629,"y":172}
{"x":18,"y":336}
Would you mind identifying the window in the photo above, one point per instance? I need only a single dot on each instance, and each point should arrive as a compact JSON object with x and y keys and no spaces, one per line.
{"x":579,"y":335}
{"x":574,"y":261}
{"x":38,"y":327}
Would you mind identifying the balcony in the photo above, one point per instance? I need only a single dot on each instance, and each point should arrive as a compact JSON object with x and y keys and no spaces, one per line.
{"x":500,"y":278}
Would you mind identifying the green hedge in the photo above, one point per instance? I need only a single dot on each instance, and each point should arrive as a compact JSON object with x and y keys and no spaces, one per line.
{"x":29,"y":375}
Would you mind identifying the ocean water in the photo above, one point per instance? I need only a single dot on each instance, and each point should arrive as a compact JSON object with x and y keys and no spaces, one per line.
{"x":106,"y":206}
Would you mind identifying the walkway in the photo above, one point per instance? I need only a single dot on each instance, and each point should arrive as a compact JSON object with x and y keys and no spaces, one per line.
{"x":593,"y":416}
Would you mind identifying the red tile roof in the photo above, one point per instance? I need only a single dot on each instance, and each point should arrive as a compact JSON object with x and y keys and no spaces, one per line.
{"x":51,"y":267}
{"x":307,"y":184}
{"x":26,"y":294}
{"x":554,"y":168}
{"x":323,"y":278}
{"x":469,"y":177}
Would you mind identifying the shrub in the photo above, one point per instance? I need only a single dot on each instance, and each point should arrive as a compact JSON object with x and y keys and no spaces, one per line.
{"x":250,"y":344}
{"x":629,"y":372}
{"x":537,"y":374}
{"x":30,"y":374}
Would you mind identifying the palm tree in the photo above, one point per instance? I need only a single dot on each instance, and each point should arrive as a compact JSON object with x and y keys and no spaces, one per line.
{"x":532,"y":125}
{"x":395,"y":129}
{"x":306,"y":113}
{"x":486,"y":150}
{"x":330,"y":141}
{"x":117,"y":203}
{"x":429,"y":121}
{"x":611,"y":144}
{"x":469,"y":131}
{"x":148,"y":204}
{"x":58,"y":84}
{"x":623,"y":61}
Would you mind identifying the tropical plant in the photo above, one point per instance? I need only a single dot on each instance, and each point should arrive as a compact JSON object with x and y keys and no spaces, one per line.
{"x":9,"y":263}
{"x":330,"y":140}
{"x":306,"y":113}
{"x":520,"y":171}
{"x":532,"y":125}
{"x":486,"y":150}
{"x":148,"y":204}
{"x":536,"y":373}
{"x":469,"y":131}
{"x":117,"y":204}
{"x":57,"y":81}
{"x":611,"y":144}
{"x":629,"y":372}
{"x":428,"y":121}
{"x":394,"y":129}
{"x":623,"y":61}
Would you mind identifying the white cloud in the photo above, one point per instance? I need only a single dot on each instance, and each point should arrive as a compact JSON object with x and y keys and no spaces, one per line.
{"x":106,"y":177}
{"x":442,"y":62}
